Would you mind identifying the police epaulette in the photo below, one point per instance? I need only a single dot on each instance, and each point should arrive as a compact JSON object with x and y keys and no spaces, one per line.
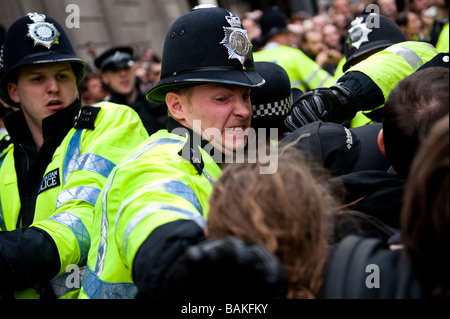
{"x":86,"y":117}
{"x":192,"y":153}
{"x":6,"y":140}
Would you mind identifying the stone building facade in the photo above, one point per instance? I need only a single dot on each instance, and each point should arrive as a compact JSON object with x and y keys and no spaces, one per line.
{"x":141,"y":23}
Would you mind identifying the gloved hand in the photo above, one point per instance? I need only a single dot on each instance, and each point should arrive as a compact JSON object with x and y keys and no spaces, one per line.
{"x":335,"y":104}
{"x":226,"y":268}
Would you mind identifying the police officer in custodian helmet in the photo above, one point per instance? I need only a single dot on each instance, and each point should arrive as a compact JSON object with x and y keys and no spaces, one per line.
{"x":56,"y":160}
{"x":206,"y":80}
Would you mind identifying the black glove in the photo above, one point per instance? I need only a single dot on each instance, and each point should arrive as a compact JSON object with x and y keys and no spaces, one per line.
{"x":335,"y":104}
{"x":225,"y":268}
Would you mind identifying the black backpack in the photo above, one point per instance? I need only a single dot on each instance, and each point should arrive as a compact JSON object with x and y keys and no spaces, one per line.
{"x":365,"y":268}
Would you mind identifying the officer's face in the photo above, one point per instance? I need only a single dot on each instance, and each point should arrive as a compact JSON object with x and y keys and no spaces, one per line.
{"x":220,"y":113}
{"x":43,"y":89}
{"x":120,"y":80}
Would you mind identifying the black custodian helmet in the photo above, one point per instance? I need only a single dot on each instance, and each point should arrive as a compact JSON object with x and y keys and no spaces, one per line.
{"x":368,"y":33}
{"x":207,"y":44}
{"x":272,"y":102}
{"x":33,"y":39}
{"x":115,"y":58}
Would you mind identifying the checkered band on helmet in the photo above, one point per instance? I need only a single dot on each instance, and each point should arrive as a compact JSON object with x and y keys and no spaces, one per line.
{"x":281,"y":107}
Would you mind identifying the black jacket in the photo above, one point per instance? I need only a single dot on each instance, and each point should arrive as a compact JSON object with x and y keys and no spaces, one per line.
{"x":376,"y":193}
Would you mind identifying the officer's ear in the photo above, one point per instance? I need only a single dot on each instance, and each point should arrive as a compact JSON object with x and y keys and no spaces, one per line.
{"x":380,"y":142}
{"x":13,"y":92}
{"x":176,"y":104}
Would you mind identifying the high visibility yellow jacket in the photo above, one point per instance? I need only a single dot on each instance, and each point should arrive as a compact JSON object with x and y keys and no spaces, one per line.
{"x":147,"y":197}
{"x":304,"y":73}
{"x":47,"y":214}
{"x":384,"y":69}
{"x":442,"y":44}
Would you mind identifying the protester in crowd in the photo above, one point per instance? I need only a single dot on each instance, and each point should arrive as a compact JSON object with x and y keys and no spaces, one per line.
{"x":332,"y":38}
{"x":411,"y":25}
{"x":409,"y":113}
{"x":341,"y":15}
{"x":340,"y":149}
{"x":54,"y":163}
{"x":313,"y":46}
{"x":148,"y":57}
{"x":303,"y":72}
{"x":419,"y":6}
{"x":363,"y":268}
{"x":140,"y":71}
{"x":91,"y":89}
{"x":289,"y":212}
{"x":319,"y":21}
{"x":424,"y":215}
{"x":388,"y":8}
{"x":153,"y":74}
{"x":250,"y":21}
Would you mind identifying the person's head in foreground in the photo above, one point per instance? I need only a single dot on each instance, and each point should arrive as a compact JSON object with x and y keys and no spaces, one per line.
{"x":287,"y":211}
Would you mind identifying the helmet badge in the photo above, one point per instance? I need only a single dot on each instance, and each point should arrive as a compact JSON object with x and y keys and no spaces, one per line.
{"x":236,"y":41}
{"x":358,"y":33}
{"x":43,"y":33}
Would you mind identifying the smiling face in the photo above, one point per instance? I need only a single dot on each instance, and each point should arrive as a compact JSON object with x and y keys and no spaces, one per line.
{"x":220,"y":113}
{"x":43,"y":89}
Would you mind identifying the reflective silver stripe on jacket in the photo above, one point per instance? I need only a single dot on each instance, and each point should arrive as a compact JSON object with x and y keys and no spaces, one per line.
{"x":149,"y":210}
{"x":407,"y":54}
{"x":178,"y":188}
{"x":60,"y":284}
{"x":102,"y":246}
{"x":95,"y":288}
{"x":74,"y":160}
{"x":209,"y":177}
{"x":79,"y":230}
{"x":314,"y":75}
{"x":86,"y":193}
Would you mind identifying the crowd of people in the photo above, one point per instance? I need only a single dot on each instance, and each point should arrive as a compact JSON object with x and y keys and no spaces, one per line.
{"x":283,"y":157}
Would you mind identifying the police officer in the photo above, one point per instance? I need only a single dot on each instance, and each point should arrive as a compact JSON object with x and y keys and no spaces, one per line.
{"x":304,"y":73}
{"x":378,"y":57}
{"x":207,"y":76}
{"x":56,"y":160}
{"x":118,"y":75}
{"x":272,"y":102}
{"x":443,"y":40}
